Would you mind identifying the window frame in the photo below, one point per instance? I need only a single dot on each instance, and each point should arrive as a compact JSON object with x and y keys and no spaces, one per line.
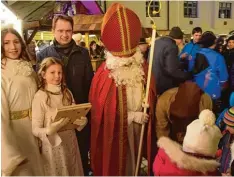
{"x":154,"y":6}
{"x":190,"y":9}
{"x":223,"y":7}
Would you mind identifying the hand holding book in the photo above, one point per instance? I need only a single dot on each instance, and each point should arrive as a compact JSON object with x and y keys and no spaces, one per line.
{"x":54,"y":127}
{"x":76,"y":115}
{"x":81,"y":123}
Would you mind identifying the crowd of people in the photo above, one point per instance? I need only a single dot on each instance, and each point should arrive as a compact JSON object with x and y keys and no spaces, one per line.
{"x":189,"y":124}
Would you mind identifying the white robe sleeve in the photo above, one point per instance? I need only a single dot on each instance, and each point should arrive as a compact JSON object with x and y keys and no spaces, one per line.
{"x":11,"y":154}
{"x":38,"y":118}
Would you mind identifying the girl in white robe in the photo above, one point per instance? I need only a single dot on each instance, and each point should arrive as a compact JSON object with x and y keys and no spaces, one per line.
{"x":60,"y":150}
{"x":20,"y":151}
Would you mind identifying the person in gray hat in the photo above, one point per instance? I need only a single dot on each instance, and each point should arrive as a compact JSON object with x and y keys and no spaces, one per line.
{"x":166,"y":66}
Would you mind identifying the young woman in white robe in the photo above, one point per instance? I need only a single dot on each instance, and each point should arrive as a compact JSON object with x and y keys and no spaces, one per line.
{"x":60,"y":150}
{"x":20,"y":151}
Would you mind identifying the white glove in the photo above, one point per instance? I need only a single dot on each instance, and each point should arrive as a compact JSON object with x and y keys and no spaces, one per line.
{"x":56,"y":126}
{"x":145,"y":105}
{"x":141,"y":118}
{"x":138,"y":117}
{"x":81,"y":122}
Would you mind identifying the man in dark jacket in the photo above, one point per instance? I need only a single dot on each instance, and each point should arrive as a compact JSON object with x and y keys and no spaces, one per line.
{"x":166,"y":66}
{"x":229,"y":59}
{"x":78,"y":72}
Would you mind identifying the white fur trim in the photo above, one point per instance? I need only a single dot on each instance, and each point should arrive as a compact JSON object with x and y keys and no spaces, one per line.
{"x":185,"y":161}
{"x":126,"y":71}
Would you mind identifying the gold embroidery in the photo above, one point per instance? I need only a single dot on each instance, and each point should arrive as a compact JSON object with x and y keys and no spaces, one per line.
{"x":15,"y":115}
{"x":123,"y":52}
{"x":121,"y":129}
{"x":127,"y":29}
{"x":121,"y":30}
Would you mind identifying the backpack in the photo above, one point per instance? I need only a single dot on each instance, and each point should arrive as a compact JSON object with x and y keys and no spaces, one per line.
{"x":205,"y":78}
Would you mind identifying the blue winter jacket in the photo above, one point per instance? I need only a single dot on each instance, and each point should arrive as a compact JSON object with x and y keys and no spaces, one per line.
{"x":191,"y":49}
{"x":212,"y":78}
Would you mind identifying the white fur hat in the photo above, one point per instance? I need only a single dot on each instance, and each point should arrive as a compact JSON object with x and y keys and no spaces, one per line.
{"x":202,"y":135}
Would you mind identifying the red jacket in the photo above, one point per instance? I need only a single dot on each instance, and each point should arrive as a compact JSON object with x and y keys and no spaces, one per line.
{"x":172,"y":161}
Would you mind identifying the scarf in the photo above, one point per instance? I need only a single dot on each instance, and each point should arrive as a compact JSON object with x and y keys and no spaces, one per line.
{"x":64,"y":51}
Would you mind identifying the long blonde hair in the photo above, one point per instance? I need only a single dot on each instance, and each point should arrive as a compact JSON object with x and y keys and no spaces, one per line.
{"x":45,"y":64}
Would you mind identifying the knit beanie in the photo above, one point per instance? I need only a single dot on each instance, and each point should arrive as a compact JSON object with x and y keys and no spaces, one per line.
{"x":202,"y":135}
{"x":208,"y":39}
{"x":229,"y":117}
{"x":176,"y":33}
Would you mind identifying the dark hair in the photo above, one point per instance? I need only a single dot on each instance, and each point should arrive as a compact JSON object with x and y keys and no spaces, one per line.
{"x":82,"y":44}
{"x":219,"y":44}
{"x":62,"y":17}
{"x":196,"y":30}
{"x":208,"y":39}
{"x":91,"y":44}
{"x":230,"y":38}
{"x":94,"y":53}
{"x":23,"y":54}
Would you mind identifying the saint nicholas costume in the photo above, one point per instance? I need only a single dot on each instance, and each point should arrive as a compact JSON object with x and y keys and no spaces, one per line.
{"x":116,"y":95}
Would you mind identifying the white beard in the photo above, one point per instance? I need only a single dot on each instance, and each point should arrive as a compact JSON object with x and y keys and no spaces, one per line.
{"x":126,"y":71}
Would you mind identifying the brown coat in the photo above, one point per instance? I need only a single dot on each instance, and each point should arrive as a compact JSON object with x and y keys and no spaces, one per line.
{"x":163,"y":108}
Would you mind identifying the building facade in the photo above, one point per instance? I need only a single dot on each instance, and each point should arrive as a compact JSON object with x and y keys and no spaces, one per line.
{"x":216,"y":16}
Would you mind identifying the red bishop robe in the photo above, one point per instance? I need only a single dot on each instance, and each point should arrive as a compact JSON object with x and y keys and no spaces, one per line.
{"x":109,"y":137}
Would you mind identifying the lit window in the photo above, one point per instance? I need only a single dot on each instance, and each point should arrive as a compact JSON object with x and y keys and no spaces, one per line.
{"x":190,"y":9}
{"x":225,"y":9}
